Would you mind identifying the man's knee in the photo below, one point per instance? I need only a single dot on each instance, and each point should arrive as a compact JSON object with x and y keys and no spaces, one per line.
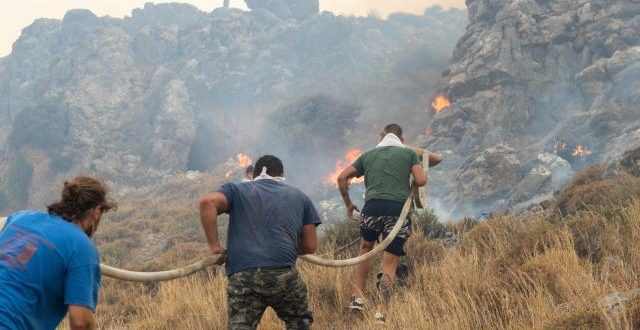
{"x":396,"y":247}
{"x":366,"y":245}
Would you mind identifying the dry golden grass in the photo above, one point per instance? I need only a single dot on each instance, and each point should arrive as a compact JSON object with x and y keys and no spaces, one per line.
{"x":534,"y":272}
{"x":592,"y":188}
{"x":506,"y":274}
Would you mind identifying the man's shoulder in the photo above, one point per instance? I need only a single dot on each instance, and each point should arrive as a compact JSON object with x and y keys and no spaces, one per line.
{"x":290,"y":189}
{"x":388,"y":150}
{"x":84,"y":249}
{"x":295,"y":192}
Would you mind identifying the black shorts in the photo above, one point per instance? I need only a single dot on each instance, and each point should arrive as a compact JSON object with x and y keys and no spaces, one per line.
{"x":372,"y":226}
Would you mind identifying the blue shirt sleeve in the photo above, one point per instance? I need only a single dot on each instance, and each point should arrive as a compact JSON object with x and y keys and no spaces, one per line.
{"x":310,"y":213}
{"x":227,"y":190}
{"x":82,"y":279}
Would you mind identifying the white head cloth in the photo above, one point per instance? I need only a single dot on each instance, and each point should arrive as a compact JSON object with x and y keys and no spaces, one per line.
{"x":391,"y":140}
{"x":264,"y":176}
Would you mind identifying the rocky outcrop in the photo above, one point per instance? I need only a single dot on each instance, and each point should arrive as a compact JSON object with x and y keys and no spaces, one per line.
{"x":540,"y":78}
{"x":298,"y":9}
{"x":171,"y":88}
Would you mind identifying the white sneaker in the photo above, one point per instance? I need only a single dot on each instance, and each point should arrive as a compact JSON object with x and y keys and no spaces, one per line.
{"x":379,"y":317}
{"x":357,"y":303}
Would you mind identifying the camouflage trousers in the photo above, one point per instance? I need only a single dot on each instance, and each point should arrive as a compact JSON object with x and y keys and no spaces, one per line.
{"x":250,"y":292}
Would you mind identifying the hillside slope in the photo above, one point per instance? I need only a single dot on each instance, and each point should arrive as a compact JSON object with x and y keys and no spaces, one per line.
{"x":549,"y":269}
{"x":539,"y":89}
{"x":172,"y":88}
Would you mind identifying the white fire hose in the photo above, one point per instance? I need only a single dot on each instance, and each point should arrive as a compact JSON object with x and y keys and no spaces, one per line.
{"x":172,"y":274}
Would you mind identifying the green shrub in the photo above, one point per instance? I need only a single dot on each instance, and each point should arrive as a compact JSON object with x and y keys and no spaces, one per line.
{"x":427,"y":222}
{"x":16,"y":185}
{"x":340,"y":235}
{"x":61,"y":163}
{"x":315,"y":123}
{"x":4,"y":202}
{"x":44,"y":127}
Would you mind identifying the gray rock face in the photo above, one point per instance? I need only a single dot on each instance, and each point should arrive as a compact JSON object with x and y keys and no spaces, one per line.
{"x":172,"y":89}
{"x":541,"y":77}
{"x":487,"y":176}
{"x":298,"y":9}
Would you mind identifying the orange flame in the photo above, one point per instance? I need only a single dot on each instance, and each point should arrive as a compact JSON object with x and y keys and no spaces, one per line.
{"x":243,"y":160}
{"x":341,"y":164}
{"x":581,"y":151}
{"x":440,"y":103}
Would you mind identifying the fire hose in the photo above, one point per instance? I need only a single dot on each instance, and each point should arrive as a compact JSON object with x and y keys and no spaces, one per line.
{"x":133,"y":276}
{"x":172,"y":274}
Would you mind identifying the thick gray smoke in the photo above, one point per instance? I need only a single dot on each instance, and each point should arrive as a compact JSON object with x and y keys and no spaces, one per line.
{"x":172,"y":89}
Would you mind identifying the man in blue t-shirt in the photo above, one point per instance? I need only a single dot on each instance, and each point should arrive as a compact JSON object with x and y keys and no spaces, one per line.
{"x":48,"y":264}
{"x":270,"y":224}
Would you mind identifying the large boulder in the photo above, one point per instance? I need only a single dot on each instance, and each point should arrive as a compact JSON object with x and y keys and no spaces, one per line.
{"x":484,"y":178}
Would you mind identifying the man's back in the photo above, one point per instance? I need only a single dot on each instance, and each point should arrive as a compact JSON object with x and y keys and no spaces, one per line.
{"x":266,"y":219}
{"x":387,"y":172}
{"x":43,"y":260}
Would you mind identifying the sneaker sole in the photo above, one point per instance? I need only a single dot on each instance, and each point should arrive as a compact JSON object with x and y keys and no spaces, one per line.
{"x":356,"y":308}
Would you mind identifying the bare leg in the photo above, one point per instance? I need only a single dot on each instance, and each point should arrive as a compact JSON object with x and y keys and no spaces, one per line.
{"x":387,"y":282}
{"x":390,"y":265}
{"x":362,"y":269}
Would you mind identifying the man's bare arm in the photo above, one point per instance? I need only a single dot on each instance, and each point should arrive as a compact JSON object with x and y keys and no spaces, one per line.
{"x":343,"y":185}
{"x":81,"y":318}
{"x":419,"y":177}
{"x":434,"y":158}
{"x":308,"y":240}
{"x":210,"y":206}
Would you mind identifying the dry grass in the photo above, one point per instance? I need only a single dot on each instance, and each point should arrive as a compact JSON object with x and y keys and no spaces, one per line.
{"x":506,"y":274}
{"x":542,"y":272}
{"x":592,"y":189}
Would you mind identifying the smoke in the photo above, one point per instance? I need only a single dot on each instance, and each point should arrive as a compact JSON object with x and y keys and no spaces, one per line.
{"x":173,"y":89}
{"x":332,"y":85}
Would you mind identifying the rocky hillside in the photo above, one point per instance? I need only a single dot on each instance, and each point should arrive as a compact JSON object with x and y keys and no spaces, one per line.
{"x":172,"y":88}
{"x":538,"y":89}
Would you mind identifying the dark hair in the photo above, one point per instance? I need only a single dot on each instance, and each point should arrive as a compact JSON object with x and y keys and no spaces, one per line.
{"x":79,"y":196}
{"x":272,"y":163}
{"x":249,"y":169}
{"x":393,"y":128}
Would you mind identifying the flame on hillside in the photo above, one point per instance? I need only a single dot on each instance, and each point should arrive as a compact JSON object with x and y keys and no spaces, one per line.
{"x":243,"y":160}
{"x":581,"y":151}
{"x":343,"y":163}
{"x":440,"y":103}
